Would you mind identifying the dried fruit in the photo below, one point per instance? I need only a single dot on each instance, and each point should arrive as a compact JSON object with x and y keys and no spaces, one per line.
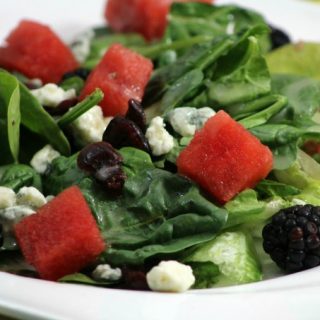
{"x":103,"y":162}
{"x":122,"y":132}
{"x":83,"y":73}
{"x":136,"y":114}
{"x":62,"y":107}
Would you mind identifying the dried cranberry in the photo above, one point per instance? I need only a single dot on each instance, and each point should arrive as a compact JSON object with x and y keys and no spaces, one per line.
{"x":122,"y":132}
{"x":102,"y":161}
{"x":134,"y":279}
{"x":136,"y":114}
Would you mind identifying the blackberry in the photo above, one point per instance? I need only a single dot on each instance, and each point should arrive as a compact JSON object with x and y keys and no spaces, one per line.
{"x":292,"y":238}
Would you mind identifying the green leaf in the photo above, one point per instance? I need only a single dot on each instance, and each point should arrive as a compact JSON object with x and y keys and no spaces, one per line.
{"x":76,"y":83}
{"x":37,"y":120}
{"x":16,"y":176}
{"x":270,"y":188}
{"x":264,"y":115}
{"x":207,"y":274}
{"x":10,"y":117}
{"x":302,"y":58}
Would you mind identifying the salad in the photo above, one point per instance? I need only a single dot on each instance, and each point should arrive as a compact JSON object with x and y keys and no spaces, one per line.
{"x":176,"y":148}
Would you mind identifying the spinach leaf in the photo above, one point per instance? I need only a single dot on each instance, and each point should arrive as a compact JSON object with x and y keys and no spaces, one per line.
{"x":64,"y":172}
{"x":75,"y":82}
{"x":263,"y":116}
{"x":10,"y":118}
{"x":284,"y":140}
{"x":195,"y":19}
{"x":241,"y":75}
{"x":16,"y":176}
{"x":37,"y":120}
{"x":300,"y":59}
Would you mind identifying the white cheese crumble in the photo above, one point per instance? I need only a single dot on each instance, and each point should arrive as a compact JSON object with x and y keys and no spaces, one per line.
{"x":160,"y":140}
{"x":82,"y":45}
{"x":43,"y":158}
{"x":105,"y":272}
{"x":51,"y":95}
{"x":90,"y":126}
{"x":7,"y":197}
{"x":15,"y":214}
{"x":170,"y":276}
{"x":30,"y":196}
{"x":186,"y":120}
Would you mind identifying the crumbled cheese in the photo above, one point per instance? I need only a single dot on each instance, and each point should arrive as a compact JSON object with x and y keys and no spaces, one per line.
{"x":82,"y":46}
{"x":49,"y":198}
{"x":43,"y":158}
{"x":160,"y":140}
{"x":15,"y":214}
{"x":7,"y":197}
{"x":51,"y":95}
{"x":105,"y":272}
{"x":186,"y":120}
{"x":36,"y":82}
{"x":30,"y":196}
{"x":90,"y":126}
{"x":170,"y":276}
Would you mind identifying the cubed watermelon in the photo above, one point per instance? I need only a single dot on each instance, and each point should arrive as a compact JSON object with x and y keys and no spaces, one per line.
{"x":34,"y":50}
{"x":62,"y":237}
{"x":147,"y":17}
{"x":224,"y":158}
{"x":122,"y":74}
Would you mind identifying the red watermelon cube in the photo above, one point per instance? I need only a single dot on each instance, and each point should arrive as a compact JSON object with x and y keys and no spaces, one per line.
{"x":147,"y":17}
{"x":122,"y":75}
{"x":62,"y":237}
{"x":224,"y":158}
{"x":34,"y":50}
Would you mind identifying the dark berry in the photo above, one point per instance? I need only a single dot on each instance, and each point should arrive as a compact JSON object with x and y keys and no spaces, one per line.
{"x":103,"y":162}
{"x":122,"y":132}
{"x":292,"y":238}
{"x":278,"y":38}
{"x":83,"y":73}
{"x":136,"y":114}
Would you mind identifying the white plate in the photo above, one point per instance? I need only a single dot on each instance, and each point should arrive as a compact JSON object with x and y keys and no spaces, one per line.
{"x":289,"y":298}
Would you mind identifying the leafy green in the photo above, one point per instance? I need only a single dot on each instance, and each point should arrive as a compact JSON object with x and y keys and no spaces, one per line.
{"x":302,"y":58}
{"x":9,"y":118}
{"x":207,"y":274}
{"x":235,"y":256}
{"x":64,"y":172}
{"x":16,"y":176}
{"x":246,"y":208}
{"x":271,"y":188}
{"x":284,"y":140}
{"x":75,"y":82}
{"x":303,"y":96}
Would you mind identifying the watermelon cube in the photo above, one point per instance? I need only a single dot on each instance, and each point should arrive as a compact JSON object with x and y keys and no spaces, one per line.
{"x":34,"y":50}
{"x":122,"y":75}
{"x":147,"y":17}
{"x":62,"y":237}
{"x":224,"y":158}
